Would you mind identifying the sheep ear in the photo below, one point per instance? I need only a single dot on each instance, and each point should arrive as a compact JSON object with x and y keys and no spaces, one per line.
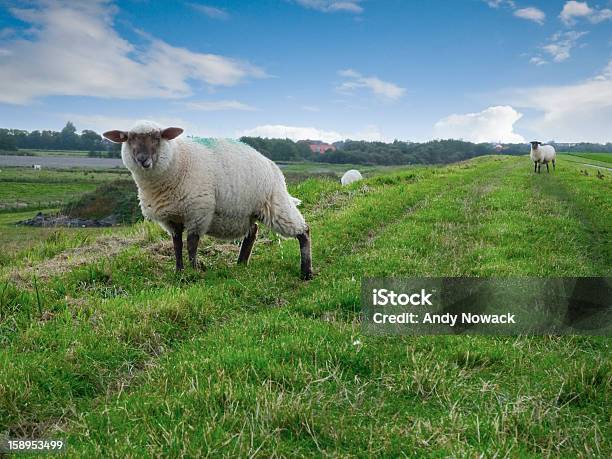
{"x":171,"y":133}
{"x":116,"y":136}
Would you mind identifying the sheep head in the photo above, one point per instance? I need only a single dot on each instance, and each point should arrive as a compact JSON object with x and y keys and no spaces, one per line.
{"x":535,"y":144}
{"x":145,"y":144}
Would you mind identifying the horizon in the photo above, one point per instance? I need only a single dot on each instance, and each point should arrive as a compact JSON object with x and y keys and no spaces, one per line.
{"x":495,"y":71}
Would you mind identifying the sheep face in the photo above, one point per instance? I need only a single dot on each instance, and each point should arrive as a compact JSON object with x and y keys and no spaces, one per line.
{"x":145,"y":149}
{"x":535,"y":144}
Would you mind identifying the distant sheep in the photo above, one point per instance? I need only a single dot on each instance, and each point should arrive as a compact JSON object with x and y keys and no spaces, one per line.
{"x":36,"y":167}
{"x":216,"y":187}
{"x":542,"y":154}
{"x":350,"y":176}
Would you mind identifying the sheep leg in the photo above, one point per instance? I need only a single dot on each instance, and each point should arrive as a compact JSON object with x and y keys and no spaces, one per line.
{"x":535,"y":166}
{"x":193,"y":240}
{"x":305,"y":252}
{"x":547,"y":169}
{"x":247,"y":245}
{"x":553,"y":164}
{"x":177,"y":241}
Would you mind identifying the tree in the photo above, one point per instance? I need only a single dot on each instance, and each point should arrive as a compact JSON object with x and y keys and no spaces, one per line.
{"x":69,"y":140}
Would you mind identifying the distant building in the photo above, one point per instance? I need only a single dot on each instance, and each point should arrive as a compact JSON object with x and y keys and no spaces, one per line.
{"x":317,"y":146}
{"x":499,"y":148}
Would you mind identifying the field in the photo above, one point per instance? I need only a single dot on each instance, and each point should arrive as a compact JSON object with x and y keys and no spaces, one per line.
{"x":102,"y":344}
{"x":24,"y":191}
{"x":42,"y":153}
{"x":595,"y":159}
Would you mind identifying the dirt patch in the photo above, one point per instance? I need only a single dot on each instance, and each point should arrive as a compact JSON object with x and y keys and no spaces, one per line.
{"x":104,"y":247}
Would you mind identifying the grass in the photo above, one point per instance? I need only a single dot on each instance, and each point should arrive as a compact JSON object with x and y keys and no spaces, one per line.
{"x":124,"y":358}
{"x":24,"y":192}
{"x":595,"y":159}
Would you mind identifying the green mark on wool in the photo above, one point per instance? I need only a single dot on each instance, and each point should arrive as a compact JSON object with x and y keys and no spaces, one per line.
{"x":206,"y":141}
{"x":213,"y":142}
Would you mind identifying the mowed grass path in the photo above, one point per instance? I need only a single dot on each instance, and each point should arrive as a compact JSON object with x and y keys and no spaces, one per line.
{"x":125,"y":358}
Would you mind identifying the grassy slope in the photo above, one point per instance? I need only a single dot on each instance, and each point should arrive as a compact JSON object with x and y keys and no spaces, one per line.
{"x":125,"y":356}
{"x":24,"y":192}
{"x":596,"y":159}
{"x":603,"y":157}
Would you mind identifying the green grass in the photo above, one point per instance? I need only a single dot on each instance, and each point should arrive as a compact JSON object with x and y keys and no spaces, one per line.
{"x":124,"y":358}
{"x":25,"y":188}
{"x":595,"y":159}
{"x":24,"y":192}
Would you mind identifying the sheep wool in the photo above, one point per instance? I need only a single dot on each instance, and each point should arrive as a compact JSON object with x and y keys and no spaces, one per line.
{"x":542,"y":154}
{"x":209,"y":186}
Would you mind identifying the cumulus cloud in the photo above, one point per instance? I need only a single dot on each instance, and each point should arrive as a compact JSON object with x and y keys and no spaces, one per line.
{"x":573,"y":10}
{"x":383,"y":89}
{"x":72,"y":49}
{"x":219,"y":105}
{"x":210,"y":11}
{"x":279,"y":131}
{"x":330,"y":6}
{"x":531,"y":14}
{"x":572,"y":113}
{"x":493,"y":124}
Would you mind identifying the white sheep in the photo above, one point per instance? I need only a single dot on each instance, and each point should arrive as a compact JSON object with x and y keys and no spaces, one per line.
{"x":215,"y":187}
{"x":542,"y":154}
{"x":350,"y":176}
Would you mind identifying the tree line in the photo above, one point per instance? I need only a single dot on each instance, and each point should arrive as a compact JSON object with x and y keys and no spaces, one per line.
{"x":66,"y":139}
{"x":399,"y":152}
{"x":348,"y":151}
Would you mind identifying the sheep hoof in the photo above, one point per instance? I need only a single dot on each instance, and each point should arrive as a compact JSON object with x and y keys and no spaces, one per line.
{"x":306,"y":276}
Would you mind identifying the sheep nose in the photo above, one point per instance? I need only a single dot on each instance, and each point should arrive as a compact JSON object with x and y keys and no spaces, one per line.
{"x":143,"y":159}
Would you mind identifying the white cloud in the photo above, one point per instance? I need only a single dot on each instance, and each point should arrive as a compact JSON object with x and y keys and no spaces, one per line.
{"x":561,"y":44}
{"x":383,"y":89}
{"x":101,"y":123}
{"x":559,"y":47}
{"x":310,"y":108}
{"x":279,"y":131}
{"x":572,"y":113}
{"x":219,"y":105}
{"x":73,"y":49}
{"x":330,"y":6}
{"x":210,"y":11}
{"x":573,"y":10}
{"x":531,"y":14}
{"x":498,"y":3}
{"x":538,"y":60}
{"x":494,"y":124}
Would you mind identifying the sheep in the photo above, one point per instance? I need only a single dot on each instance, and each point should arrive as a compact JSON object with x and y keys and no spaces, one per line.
{"x":350,"y":176}
{"x":217,"y":187}
{"x":542,"y":154}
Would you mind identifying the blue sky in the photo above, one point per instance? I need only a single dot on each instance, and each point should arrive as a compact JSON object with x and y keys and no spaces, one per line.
{"x":482,"y":70}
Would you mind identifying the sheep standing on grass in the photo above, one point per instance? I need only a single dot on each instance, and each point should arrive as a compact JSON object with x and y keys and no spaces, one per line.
{"x":219,"y":187}
{"x":542,"y":154}
{"x":350,"y":176}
